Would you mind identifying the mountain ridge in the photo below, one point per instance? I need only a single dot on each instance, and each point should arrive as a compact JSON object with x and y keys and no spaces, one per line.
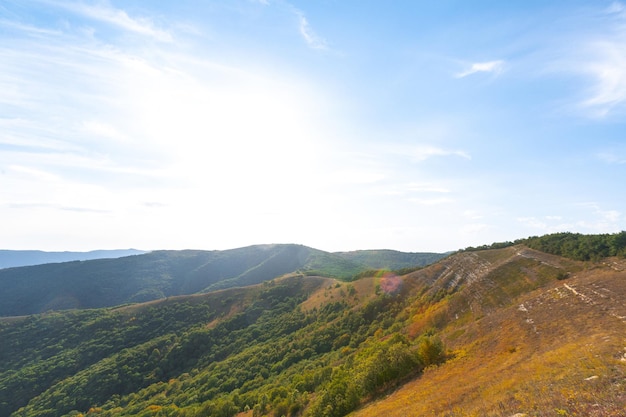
{"x":158,"y":274}
{"x":19,"y":258}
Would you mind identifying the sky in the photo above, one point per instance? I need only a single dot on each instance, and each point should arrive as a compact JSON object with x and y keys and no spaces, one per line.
{"x":417,"y":126}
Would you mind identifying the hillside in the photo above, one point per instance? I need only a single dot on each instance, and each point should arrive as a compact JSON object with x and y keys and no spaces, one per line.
{"x":490,"y":333}
{"x":530,"y":333}
{"x":268,"y":348}
{"x":155,"y":275}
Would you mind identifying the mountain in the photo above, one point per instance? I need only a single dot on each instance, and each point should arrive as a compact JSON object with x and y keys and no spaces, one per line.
{"x":491,"y":332}
{"x":159,"y":274}
{"x":16,"y":258}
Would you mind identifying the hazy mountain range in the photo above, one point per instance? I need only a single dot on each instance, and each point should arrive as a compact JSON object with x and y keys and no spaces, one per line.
{"x":150,"y":276}
{"x":16,"y":258}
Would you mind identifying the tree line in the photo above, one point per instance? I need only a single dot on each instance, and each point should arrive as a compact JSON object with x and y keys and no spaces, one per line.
{"x":577,"y":246}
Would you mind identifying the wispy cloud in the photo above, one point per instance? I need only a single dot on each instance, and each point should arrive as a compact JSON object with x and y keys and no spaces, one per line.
{"x":596,"y":220}
{"x":430,"y":201}
{"x":473,"y":228}
{"x":599,"y":56}
{"x":357,"y":176}
{"x":473,"y":215}
{"x":612,"y":156}
{"x":33,"y":173}
{"x":494,"y":67}
{"x":421,"y":153}
{"x":29,"y":29}
{"x":43,"y":206}
{"x":310,"y":37}
{"x":608,"y":70}
{"x":604,"y":218}
{"x":426,"y":188}
{"x":103,"y":130}
{"x":549,"y":224}
{"x":106,"y":13}
{"x":617,"y":8}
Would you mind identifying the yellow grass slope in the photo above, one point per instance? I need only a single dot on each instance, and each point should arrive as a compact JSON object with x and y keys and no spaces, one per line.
{"x":530,"y":334}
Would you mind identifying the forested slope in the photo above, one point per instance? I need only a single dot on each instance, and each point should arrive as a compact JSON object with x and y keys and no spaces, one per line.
{"x":300,"y":343}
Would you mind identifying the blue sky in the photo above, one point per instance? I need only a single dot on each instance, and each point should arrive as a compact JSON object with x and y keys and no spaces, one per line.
{"x":341,"y":125}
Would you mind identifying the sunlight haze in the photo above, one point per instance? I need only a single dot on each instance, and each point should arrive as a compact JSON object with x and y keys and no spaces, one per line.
{"x":415,"y":126}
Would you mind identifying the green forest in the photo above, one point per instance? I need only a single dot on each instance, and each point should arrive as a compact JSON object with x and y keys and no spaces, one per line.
{"x":178,"y":358}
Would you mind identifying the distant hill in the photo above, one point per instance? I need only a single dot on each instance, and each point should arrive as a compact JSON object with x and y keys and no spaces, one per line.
{"x":16,"y":258}
{"x":391,"y":259}
{"x":496,"y":332}
{"x":159,"y":274}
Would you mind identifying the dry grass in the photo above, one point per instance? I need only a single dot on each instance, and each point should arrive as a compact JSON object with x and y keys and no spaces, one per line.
{"x":558,"y":350}
{"x":330,"y":290}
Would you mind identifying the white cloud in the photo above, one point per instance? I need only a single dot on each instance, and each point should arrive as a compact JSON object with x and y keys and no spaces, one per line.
{"x":31,"y":30}
{"x":431,"y":201}
{"x":603,"y":220}
{"x":426,"y":188}
{"x":356,"y":176}
{"x":104,"y":12}
{"x":616,"y":7}
{"x":473,"y":215}
{"x":474,"y":228}
{"x":607,"y":67}
{"x":599,"y":55}
{"x":33,"y":173}
{"x":494,"y":67}
{"x":612,"y":157}
{"x":554,"y":217}
{"x":309,"y":35}
{"x":585,"y":218}
{"x":419,"y":153}
{"x":103,"y":129}
{"x":533,"y":222}
{"x":546,"y":224}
